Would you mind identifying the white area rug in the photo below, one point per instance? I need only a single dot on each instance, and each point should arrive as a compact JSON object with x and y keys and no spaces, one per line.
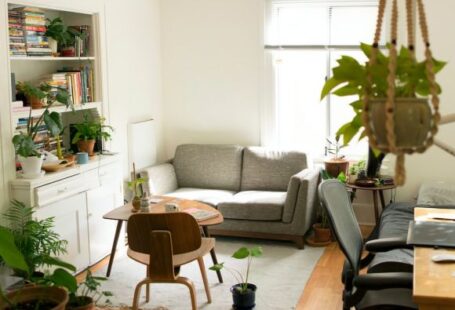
{"x":280,"y":274}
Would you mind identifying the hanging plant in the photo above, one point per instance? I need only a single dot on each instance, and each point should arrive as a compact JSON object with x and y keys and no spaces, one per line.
{"x":391,"y":106}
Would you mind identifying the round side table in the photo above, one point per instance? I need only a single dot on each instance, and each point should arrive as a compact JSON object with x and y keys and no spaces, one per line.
{"x":376,"y":191}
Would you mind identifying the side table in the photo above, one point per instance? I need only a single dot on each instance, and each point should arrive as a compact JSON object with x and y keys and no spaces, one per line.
{"x":376,"y":191}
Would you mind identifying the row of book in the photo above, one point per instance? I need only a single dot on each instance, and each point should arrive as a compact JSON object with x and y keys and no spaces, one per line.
{"x":78,"y":81}
{"x":34,"y":27}
{"x":16,"y":34}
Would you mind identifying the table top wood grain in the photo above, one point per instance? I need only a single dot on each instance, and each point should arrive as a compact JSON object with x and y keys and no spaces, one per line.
{"x":434,"y":283}
{"x":123,"y":213}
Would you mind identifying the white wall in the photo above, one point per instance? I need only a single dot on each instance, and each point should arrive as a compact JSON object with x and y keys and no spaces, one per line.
{"x":134,"y":64}
{"x":212,"y":61}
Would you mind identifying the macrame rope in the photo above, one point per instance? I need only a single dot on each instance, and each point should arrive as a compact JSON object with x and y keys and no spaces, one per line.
{"x":390,"y":105}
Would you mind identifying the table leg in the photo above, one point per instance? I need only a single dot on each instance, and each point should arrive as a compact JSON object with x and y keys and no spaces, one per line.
{"x":213,"y":254}
{"x":381,"y":195}
{"x":375,"y":203}
{"x":352,"y":195}
{"x":114,"y":247}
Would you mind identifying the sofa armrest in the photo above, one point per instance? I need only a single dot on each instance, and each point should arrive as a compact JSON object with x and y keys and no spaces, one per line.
{"x":160,"y":179}
{"x":304,"y":213}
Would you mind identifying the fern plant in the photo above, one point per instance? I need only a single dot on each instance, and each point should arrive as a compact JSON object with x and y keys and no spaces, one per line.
{"x":35,"y":239}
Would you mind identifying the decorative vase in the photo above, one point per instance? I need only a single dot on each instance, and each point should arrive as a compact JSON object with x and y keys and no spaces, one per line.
{"x":335,"y":166}
{"x":136,"y":203}
{"x":31,"y":166}
{"x":86,"y":146}
{"x":321,"y":235}
{"x":144,"y":204}
{"x":53,"y":45}
{"x":246,"y":300}
{"x":49,"y":297}
{"x":69,"y":51}
{"x":412,"y":122}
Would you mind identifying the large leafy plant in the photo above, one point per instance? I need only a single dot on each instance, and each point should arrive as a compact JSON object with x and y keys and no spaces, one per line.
{"x":242,"y":278}
{"x":350,"y":78}
{"x":24,"y":141}
{"x":91,"y":130}
{"x":64,"y":35}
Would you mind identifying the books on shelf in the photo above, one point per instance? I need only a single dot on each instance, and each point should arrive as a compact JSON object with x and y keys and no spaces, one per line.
{"x":82,"y":43}
{"x":80,"y":83}
{"x":16,"y":34}
{"x":201,"y":215}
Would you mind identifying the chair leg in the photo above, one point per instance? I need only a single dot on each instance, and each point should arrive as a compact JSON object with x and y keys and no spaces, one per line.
{"x":137,"y":293}
{"x":189,"y":284}
{"x":147,"y":288}
{"x":200,"y":261}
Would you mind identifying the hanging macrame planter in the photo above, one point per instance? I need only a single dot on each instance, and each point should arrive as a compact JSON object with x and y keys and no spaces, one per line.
{"x":401,"y":125}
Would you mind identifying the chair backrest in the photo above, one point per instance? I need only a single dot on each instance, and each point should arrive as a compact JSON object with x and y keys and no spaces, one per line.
{"x":335,"y":199}
{"x":183,"y":228}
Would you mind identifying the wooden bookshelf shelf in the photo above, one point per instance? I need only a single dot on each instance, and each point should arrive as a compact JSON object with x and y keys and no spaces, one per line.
{"x":59,"y":109}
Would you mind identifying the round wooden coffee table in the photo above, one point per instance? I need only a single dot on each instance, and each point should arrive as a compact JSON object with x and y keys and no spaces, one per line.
{"x":122,"y":214}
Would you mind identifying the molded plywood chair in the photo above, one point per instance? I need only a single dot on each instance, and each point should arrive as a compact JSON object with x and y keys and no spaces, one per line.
{"x":385,"y":290}
{"x":164,"y":242}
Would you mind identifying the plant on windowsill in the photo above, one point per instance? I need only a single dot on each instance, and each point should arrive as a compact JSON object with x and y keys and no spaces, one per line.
{"x":337,"y":163}
{"x":24,"y":145}
{"x":243,"y":293}
{"x":350,"y":78}
{"x":88,"y":132}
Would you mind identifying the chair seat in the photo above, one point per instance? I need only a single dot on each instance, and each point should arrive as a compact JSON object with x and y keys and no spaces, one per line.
{"x":179,"y":259}
{"x":398,"y":299}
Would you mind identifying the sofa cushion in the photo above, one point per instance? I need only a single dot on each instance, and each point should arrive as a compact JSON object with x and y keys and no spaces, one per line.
{"x":254,"y":205}
{"x":270,"y":170}
{"x":209,"y":196}
{"x":208,"y":166}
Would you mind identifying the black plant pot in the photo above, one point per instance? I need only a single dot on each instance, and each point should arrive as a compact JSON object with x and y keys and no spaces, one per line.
{"x":246,"y":300}
{"x":374,"y":163}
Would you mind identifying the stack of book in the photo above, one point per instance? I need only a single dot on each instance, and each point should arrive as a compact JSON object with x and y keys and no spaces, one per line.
{"x":34,"y":26}
{"x":16,"y":34}
{"x":80,"y":84}
{"x":81,"y":44}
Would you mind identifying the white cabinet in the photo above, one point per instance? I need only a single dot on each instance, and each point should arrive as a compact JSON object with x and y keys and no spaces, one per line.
{"x":70,"y":222}
{"x":78,"y":198}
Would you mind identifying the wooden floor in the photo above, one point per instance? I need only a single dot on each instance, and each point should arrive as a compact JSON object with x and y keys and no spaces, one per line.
{"x":323,"y":290}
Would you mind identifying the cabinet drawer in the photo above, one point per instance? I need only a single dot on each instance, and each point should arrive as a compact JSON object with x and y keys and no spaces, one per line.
{"x":58,"y":190}
{"x":108,"y":174}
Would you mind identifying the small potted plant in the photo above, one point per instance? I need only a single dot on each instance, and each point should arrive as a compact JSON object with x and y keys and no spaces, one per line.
{"x":55,"y":32}
{"x":134,"y":185}
{"x":24,"y":145}
{"x":337,"y":163}
{"x":87,"y":294}
{"x":88,"y":131}
{"x":355,"y":169}
{"x":243,"y":293}
{"x":322,"y":232}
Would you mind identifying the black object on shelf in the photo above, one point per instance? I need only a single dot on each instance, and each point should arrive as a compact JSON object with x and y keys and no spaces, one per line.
{"x":13,"y":87}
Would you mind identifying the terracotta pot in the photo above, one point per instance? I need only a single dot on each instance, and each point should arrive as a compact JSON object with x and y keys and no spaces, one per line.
{"x":55,"y":295}
{"x":82,"y":303}
{"x":336,"y":165}
{"x":68,"y":52}
{"x":136,"y":203}
{"x":412,"y":121}
{"x":35,"y":102}
{"x":321,"y":234}
{"x":86,"y":146}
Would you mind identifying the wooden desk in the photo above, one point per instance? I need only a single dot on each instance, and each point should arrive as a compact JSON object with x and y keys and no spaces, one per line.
{"x":434,"y":284}
{"x":122,"y":214}
{"x":375,"y":190}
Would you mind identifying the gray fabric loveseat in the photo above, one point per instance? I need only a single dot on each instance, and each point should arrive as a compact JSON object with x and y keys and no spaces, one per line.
{"x":261,"y":193}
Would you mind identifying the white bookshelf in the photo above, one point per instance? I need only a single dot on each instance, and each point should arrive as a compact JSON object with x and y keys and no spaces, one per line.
{"x":49,"y":58}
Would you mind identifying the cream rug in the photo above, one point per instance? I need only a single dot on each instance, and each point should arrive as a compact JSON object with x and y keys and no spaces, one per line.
{"x":280,"y":274}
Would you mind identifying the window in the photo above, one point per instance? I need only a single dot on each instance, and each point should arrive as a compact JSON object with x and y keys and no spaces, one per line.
{"x":305,"y":40}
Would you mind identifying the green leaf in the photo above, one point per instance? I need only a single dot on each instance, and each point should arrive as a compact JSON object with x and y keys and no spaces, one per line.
{"x":325,"y":175}
{"x":349,"y":69}
{"x":347,"y":90}
{"x":53,"y":123}
{"x":11,"y":255}
{"x":217,"y":267}
{"x":54,"y":261}
{"x":61,"y":277}
{"x":329,"y":85}
{"x":341,"y":177}
{"x":241,"y":253}
{"x":357,"y":105}
{"x":256,"y":251}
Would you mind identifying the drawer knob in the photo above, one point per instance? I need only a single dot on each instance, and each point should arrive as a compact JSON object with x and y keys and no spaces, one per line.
{"x":61,"y":191}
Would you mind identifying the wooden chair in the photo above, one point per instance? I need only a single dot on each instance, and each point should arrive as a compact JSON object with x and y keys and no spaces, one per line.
{"x":164,"y":242}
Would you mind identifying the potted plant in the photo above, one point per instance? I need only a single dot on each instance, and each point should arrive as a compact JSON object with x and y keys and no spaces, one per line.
{"x":355,"y":169}
{"x":337,"y":163}
{"x":134,"y":185}
{"x":63,"y":36}
{"x":88,"y":131}
{"x":351,"y":78}
{"x":243,"y":293}
{"x":322,"y":232}
{"x":87,"y":294}
{"x":30,"y":159}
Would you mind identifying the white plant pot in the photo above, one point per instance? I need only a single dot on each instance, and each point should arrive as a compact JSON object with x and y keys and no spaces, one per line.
{"x":31,"y":166}
{"x":53,"y":45}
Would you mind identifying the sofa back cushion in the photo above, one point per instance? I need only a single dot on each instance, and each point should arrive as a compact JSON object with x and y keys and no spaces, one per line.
{"x":267,"y":169}
{"x":208,"y":166}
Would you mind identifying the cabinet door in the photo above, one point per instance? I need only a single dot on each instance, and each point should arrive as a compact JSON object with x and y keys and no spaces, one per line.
{"x":101,"y":231}
{"x":70,"y":222}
